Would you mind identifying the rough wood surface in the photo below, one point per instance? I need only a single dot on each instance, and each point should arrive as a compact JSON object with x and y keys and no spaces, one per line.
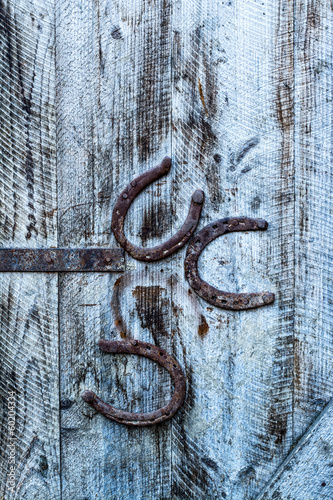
{"x":238,"y":93}
{"x":307,"y":472}
{"x":114,"y":97}
{"x":28,"y":303}
{"x":313,"y":367}
{"x":233,"y":137}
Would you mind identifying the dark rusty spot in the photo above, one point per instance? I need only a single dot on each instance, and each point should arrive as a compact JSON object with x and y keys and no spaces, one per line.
{"x":155,"y":221}
{"x":175,"y":242}
{"x":203,"y":327}
{"x":159,"y":356}
{"x":224,"y":300}
{"x":152,"y":306}
{"x":277,"y":425}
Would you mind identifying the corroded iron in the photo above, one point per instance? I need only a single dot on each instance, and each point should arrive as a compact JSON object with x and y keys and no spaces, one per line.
{"x":218,"y":298}
{"x":61,"y":259}
{"x":156,"y":354}
{"x":176,"y":241}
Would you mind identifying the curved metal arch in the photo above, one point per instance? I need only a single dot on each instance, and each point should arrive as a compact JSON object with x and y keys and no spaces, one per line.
{"x":124,"y":201}
{"x":158,"y":355}
{"x":216,"y":297}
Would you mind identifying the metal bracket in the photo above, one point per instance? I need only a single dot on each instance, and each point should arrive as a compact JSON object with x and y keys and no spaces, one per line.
{"x":62,"y":260}
{"x":157,"y":354}
{"x":178,"y":240}
{"x":218,"y":298}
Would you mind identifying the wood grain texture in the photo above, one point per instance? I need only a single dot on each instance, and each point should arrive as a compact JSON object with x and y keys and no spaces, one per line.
{"x":28,"y":303}
{"x":233,"y":137}
{"x":114,"y":97}
{"x":313,"y":234}
{"x":307,"y":473}
{"x":238,"y":93}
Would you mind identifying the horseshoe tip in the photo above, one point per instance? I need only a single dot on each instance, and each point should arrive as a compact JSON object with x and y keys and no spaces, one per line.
{"x":166,"y":163}
{"x":88,"y":396}
{"x":198,"y":197}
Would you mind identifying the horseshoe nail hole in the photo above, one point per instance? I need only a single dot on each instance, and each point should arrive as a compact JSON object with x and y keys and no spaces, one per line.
{"x":161,"y":353}
{"x":213,"y":297}
{"x":167,"y":413}
{"x":174,"y":365}
{"x":198,"y":242}
{"x":215,"y":226}
{"x":148,"y":347}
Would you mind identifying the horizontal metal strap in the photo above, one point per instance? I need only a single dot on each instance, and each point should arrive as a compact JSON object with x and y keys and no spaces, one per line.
{"x":62,"y":259}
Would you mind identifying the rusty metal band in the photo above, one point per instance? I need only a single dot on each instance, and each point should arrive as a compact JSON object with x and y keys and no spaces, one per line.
{"x":61,"y":260}
{"x":156,"y":354}
{"x":216,"y":297}
{"x":124,"y":201}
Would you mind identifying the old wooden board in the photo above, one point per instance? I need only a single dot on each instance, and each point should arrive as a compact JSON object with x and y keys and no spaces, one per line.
{"x":238,"y":93}
{"x":114,"y":111}
{"x":313,"y":347}
{"x":233,"y":136}
{"x":29,"y":414}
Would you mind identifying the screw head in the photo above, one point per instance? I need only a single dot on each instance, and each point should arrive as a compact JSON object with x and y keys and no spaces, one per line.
{"x":268,"y":298}
{"x":198,"y":197}
{"x":125,"y":196}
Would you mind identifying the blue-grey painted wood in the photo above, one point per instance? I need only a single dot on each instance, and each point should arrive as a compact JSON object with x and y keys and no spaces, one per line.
{"x":232,"y":114}
{"x":313,"y":341}
{"x":307,"y":473}
{"x":29,"y":372}
{"x":114,"y":97}
{"x":239,"y":94}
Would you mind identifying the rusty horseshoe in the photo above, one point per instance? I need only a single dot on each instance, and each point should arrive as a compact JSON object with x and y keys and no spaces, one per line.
{"x":157,"y":354}
{"x":176,"y":241}
{"x":218,"y":298}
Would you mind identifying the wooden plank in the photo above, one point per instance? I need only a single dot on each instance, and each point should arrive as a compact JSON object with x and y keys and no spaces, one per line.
{"x":114,"y":98}
{"x":233,"y":137}
{"x":307,"y":472}
{"x":314,"y":187}
{"x":29,"y":437}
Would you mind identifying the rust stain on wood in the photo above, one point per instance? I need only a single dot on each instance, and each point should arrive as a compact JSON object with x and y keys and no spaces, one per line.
{"x":203,"y":326}
{"x":152,"y":306}
{"x":202,"y":96}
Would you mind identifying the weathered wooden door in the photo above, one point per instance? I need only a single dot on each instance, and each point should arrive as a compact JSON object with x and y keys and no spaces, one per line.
{"x":239,"y":94}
